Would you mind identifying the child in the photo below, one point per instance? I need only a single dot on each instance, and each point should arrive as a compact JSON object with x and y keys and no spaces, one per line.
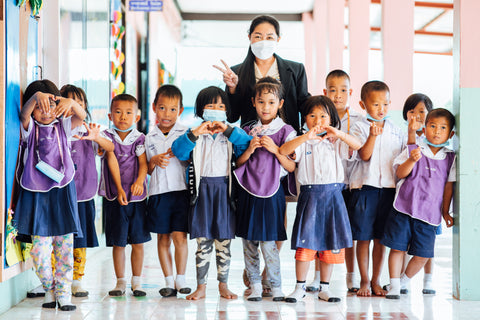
{"x":261,"y":199}
{"x":424,"y":193}
{"x":168,"y":195}
{"x":123,"y":184}
{"x":339,"y":91}
{"x":84,"y":145}
{"x":46,"y":207}
{"x":372,"y":181}
{"x":415,"y":111}
{"x":321,"y":227}
{"x":211,"y":220}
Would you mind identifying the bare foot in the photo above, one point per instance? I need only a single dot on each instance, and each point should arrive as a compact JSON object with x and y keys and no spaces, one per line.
{"x":224,"y":292}
{"x":199,"y":293}
{"x":364,"y":290}
{"x":377,"y":290}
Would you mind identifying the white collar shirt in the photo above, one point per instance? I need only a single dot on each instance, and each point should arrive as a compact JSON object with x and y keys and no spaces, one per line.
{"x":378,"y":171}
{"x":171,"y":178}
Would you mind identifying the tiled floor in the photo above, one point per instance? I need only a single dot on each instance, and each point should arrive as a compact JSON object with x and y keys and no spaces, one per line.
{"x":99,"y":279}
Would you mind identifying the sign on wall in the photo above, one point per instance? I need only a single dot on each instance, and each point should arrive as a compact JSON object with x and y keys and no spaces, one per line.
{"x":145,"y":5}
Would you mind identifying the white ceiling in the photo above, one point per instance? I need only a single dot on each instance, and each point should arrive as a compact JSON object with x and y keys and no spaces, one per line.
{"x":245,"y":6}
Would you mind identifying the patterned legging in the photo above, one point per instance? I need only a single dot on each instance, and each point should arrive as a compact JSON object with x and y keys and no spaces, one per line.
{"x":62,"y":247}
{"x":203,"y":254}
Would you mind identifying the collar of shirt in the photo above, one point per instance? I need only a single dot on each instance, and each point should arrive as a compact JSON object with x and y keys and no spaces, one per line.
{"x":426,"y":151}
{"x":273,"y":126}
{"x":176,"y":127}
{"x":45,"y":125}
{"x":129,"y":139}
{"x":80,"y":131}
{"x":272,"y":72}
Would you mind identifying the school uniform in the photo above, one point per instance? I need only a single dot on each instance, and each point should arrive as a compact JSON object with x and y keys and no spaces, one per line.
{"x":167,"y":208}
{"x":322,"y":221}
{"x":47,"y":209}
{"x":417,"y":209}
{"x":124,"y":224}
{"x":211,"y":219}
{"x":373,"y":182}
{"x":261,"y":202}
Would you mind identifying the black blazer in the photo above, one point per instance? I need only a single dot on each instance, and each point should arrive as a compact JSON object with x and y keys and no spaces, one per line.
{"x":294,"y":82}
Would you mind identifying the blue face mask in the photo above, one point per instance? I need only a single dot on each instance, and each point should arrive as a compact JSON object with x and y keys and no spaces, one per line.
{"x":369,"y":117}
{"x":214,"y":115}
{"x":318,"y":134}
{"x":126,"y":130}
{"x":446,"y":143}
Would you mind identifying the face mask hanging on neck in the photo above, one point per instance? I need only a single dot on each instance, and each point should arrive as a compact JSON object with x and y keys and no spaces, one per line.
{"x":126,"y":130}
{"x":446,"y":143}
{"x":264,"y":49}
{"x":369,"y":117}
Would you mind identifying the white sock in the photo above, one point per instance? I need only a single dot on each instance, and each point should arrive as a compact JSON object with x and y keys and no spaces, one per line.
{"x":404,"y":281}
{"x":180,"y":281}
{"x":324,"y":293}
{"x":394,"y":289}
{"x":350,"y":280}
{"x":169,"y":283}
{"x":136,"y":282}
{"x":317,"y":276}
{"x":427,"y":281}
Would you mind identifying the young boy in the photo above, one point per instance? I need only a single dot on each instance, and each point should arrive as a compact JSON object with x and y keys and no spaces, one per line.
{"x":338,"y":90}
{"x":424,"y":193}
{"x":168,"y":196}
{"x":123,"y":184}
{"x":372,"y":181}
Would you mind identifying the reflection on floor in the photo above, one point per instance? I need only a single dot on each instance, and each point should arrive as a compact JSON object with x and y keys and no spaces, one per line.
{"x":99,"y":279}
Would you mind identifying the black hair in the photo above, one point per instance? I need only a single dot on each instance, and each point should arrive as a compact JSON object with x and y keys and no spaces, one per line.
{"x":76,"y":92}
{"x":441,"y":113}
{"x":373,"y":85}
{"x":322,"y":101}
{"x":210,"y":95}
{"x":124,"y":97}
{"x":169,"y":91}
{"x":247,"y":71}
{"x":415,"y":99}
{"x":45,"y":86}
{"x":337,"y":73}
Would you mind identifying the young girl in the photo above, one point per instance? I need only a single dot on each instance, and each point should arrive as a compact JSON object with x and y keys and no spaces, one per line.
{"x":415,"y":111}
{"x":84,"y":145}
{"x":47,"y":204}
{"x":261,"y":200}
{"x":321,"y":226}
{"x":211,"y":219}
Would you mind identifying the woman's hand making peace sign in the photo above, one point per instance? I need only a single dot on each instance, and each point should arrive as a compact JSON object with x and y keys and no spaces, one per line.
{"x":229,"y":77}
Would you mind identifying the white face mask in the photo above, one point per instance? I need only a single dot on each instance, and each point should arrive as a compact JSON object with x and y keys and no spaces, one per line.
{"x":264,"y":49}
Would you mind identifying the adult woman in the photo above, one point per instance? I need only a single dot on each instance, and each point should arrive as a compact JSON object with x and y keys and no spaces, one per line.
{"x":261,"y":61}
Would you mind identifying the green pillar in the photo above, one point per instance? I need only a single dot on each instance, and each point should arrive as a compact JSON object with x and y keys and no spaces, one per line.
{"x":466,"y":232}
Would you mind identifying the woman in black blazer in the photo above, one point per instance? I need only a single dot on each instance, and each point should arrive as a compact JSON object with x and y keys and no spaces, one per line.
{"x":261,"y":61}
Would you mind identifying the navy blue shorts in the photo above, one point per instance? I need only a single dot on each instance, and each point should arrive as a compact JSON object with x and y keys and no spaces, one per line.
{"x":125,"y":224}
{"x":403,"y":233}
{"x":168,"y":212}
{"x":368,"y":209}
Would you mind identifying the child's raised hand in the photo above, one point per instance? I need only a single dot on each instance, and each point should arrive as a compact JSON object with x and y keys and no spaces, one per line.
{"x":163,"y":159}
{"x":122,"y":198}
{"x":64,"y":107}
{"x":312,"y":134}
{"x":93,"y":132}
{"x":45,"y":101}
{"x":416,"y":154}
{"x":269,"y":144}
{"x":414,"y":124}
{"x":204,"y":128}
{"x":229,"y":77}
{"x":448,"y":219}
{"x":375,"y":130}
{"x":137,"y":188}
{"x":218,"y":126}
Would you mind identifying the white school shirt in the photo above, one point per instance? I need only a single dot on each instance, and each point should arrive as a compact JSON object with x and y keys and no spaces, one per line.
{"x":172,"y":178}
{"x":320,"y":162}
{"x":274,"y":127}
{"x":378,"y":171}
{"x":214,"y":162}
{"x":348,"y":163}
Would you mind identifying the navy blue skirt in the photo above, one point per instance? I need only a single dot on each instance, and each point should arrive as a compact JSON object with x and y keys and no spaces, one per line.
{"x":52,"y":213}
{"x":322,"y":220}
{"x":261,"y":219}
{"x":86,"y":212}
{"x":168,"y":212}
{"x":212,"y":217}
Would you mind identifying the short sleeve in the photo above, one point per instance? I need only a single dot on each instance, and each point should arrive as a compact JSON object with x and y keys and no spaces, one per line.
{"x":401,"y":158}
{"x":343,"y":149}
{"x":140,"y":147}
{"x":452,"y":175}
{"x":26,"y":133}
{"x":67,"y":126}
{"x":358,"y":132}
{"x":299,"y":151}
{"x":292,"y":135}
